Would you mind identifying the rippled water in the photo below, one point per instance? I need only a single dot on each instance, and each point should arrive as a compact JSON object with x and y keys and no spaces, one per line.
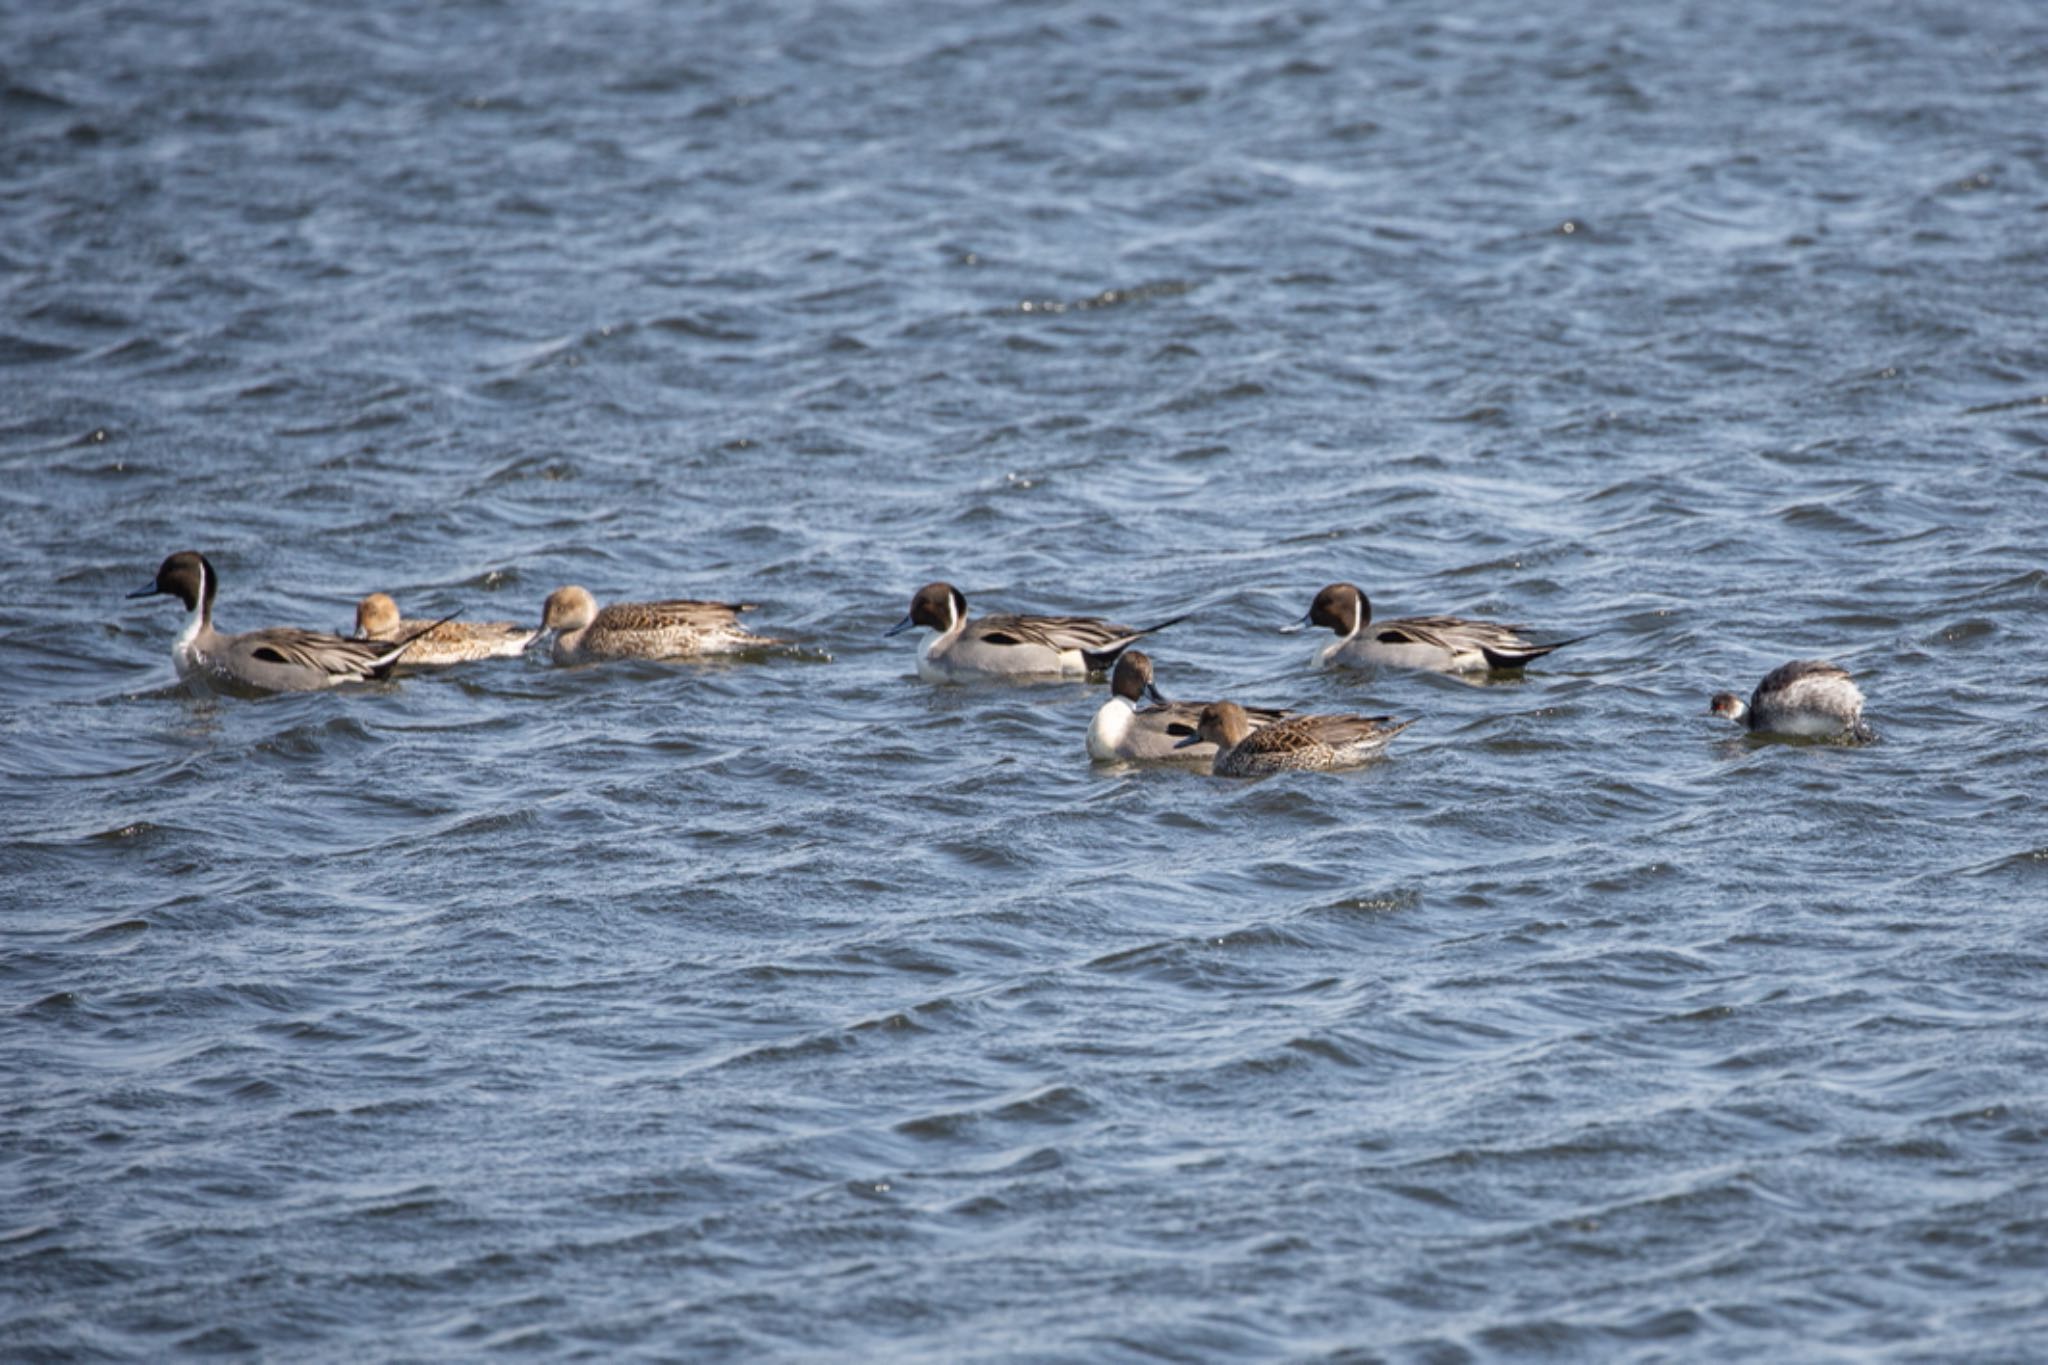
{"x":796,"y":1008}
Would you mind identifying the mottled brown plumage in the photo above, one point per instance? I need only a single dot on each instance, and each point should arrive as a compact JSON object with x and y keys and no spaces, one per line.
{"x":449,"y":642}
{"x":644,"y":630}
{"x":1298,"y":743}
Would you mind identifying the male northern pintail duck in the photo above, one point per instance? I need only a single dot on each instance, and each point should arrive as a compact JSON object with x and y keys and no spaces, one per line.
{"x":277,"y":659}
{"x":675,"y":629}
{"x":1297,"y":743}
{"x":1807,"y":697}
{"x":449,"y":642}
{"x":1440,"y":644}
{"x":1121,"y":731}
{"x":1008,"y":646}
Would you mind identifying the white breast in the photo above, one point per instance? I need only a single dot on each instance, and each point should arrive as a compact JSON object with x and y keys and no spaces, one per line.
{"x":1110,"y":729}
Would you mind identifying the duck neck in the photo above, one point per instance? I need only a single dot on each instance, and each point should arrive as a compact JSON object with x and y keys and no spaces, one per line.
{"x":1361,"y":613}
{"x":939,"y":643}
{"x":956,"y":613}
{"x":195,"y":639}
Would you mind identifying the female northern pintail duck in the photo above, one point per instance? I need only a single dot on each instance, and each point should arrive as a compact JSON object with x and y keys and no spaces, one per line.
{"x":1300,"y":742}
{"x":1807,"y":697}
{"x":1007,"y":646}
{"x":449,"y":642}
{"x":643,"y":630}
{"x":1121,"y":731}
{"x":277,"y":659}
{"x":1440,"y":644}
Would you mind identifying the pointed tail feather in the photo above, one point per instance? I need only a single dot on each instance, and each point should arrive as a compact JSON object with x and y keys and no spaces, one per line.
{"x":1393,"y":729}
{"x":391,"y":658}
{"x":1516,"y":658}
{"x":1170,"y":621}
{"x":1102,"y":660}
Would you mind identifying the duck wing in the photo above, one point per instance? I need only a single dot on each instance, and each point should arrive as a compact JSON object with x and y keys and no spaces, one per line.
{"x":1297,"y":735}
{"x":1098,"y":641}
{"x":1355,"y":732}
{"x":1503,"y":646}
{"x":675,"y":613}
{"x":318,"y":654}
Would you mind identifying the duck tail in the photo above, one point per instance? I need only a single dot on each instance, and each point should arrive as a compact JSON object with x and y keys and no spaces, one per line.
{"x":1170,"y":621}
{"x":1102,"y":660}
{"x":1392,"y":727}
{"x":1523,"y":655}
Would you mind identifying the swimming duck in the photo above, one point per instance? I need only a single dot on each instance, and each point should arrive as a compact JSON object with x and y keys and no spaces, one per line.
{"x":1121,"y":731}
{"x":643,"y":630}
{"x":1008,"y":646}
{"x":1807,"y":697}
{"x":1440,"y":644}
{"x":450,"y":642}
{"x":276,"y":659}
{"x":1300,"y":742}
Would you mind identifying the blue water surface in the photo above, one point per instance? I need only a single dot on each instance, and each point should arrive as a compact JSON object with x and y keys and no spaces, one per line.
{"x":792,"y":1008}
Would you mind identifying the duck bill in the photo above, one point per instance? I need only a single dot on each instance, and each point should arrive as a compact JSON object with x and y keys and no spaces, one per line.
{"x":151,"y":591}
{"x":1293,"y":627}
{"x":1155,"y":695}
{"x":1190,"y":742}
{"x":905,"y":624}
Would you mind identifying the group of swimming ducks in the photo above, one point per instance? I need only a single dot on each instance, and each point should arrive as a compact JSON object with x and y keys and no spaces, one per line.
{"x":1807,"y":698}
